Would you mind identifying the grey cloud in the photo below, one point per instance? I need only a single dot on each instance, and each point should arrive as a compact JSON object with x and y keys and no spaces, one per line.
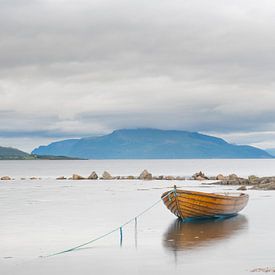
{"x":93,"y":66}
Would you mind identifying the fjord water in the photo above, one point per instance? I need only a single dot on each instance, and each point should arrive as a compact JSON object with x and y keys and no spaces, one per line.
{"x":40,"y":217}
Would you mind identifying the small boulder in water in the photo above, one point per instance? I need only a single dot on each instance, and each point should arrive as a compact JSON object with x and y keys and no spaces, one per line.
{"x":61,"y":178}
{"x":77,"y":177}
{"x":145,"y":175}
{"x":200,"y":176}
{"x":106,"y":176}
{"x":265,"y":186}
{"x":242,"y":188}
{"x":6,"y":178}
{"x":220,"y":177}
{"x":169,"y":178}
{"x":93,"y":176}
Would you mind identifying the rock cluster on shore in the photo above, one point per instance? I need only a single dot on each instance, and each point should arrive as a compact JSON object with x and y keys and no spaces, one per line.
{"x":257,"y":183}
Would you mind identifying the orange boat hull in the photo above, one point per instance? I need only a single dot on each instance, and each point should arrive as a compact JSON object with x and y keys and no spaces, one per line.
{"x":190,"y":204}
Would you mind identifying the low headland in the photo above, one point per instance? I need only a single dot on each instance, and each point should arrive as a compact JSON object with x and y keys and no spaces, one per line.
{"x":9,"y":153}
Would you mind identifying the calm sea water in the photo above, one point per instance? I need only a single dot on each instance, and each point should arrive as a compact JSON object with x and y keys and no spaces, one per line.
{"x":46,"y":216}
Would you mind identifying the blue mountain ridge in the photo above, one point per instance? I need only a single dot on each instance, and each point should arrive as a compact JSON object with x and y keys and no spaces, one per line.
{"x":150,"y":144}
{"x":271,"y":151}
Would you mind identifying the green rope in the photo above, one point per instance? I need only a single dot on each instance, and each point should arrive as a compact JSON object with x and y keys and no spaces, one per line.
{"x":110,"y":232}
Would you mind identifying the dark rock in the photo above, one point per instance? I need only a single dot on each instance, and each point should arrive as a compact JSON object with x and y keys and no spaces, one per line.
{"x":35,"y":178}
{"x":145,"y":175}
{"x":242,"y":188}
{"x":5,"y":178}
{"x":61,"y":178}
{"x":93,"y":176}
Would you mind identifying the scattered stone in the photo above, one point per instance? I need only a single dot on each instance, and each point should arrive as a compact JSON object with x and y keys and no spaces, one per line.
{"x":242,"y":188}
{"x":169,"y":178}
{"x":200,"y":176}
{"x":265,"y":180}
{"x":253,"y":178}
{"x":233,"y":177}
{"x":61,"y":178}
{"x":106,"y":176}
{"x":220,"y":177}
{"x":77,"y":177}
{"x":5,"y":178}
{"x":145,"y":175}
{"x":263,"y":269}
{"x":93,"y":176}
{"x":265,"y":186}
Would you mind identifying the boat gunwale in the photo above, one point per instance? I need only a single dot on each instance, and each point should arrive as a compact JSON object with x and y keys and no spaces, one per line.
{"x":235,"y":202}
{"x":210,"y":195}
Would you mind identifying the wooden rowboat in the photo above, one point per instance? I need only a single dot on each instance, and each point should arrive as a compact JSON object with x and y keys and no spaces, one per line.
{"x":192,"y":204}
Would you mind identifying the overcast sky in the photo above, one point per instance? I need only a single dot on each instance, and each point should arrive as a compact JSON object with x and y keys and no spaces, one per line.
{"x":73,"y":68}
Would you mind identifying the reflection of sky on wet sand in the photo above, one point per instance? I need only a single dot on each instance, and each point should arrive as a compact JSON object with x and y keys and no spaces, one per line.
{"x":201,"y":233}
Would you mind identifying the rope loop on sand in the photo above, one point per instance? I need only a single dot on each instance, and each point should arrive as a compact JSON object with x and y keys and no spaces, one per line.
{"x":119,"y":228}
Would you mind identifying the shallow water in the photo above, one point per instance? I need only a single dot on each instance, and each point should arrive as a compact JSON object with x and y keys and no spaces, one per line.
{"x":46,"y":216}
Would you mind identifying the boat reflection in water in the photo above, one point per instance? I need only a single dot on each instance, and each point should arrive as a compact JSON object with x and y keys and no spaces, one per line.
{"x":189,"y":235}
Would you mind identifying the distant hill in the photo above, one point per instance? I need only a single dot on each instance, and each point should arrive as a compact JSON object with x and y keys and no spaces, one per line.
{"x":12,"y":153}
{"x":271,"y":151}
{"x":8,"y":153}
{"x":150,"y":144}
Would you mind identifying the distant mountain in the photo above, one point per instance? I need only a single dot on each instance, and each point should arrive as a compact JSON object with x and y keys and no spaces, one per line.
{"x":271,"y":151}
{"x":8,"y":153}
{"x":150,"y":144}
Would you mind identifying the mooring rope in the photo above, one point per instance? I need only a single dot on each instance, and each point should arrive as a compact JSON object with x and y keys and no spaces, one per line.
{"x":112,"y":231}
